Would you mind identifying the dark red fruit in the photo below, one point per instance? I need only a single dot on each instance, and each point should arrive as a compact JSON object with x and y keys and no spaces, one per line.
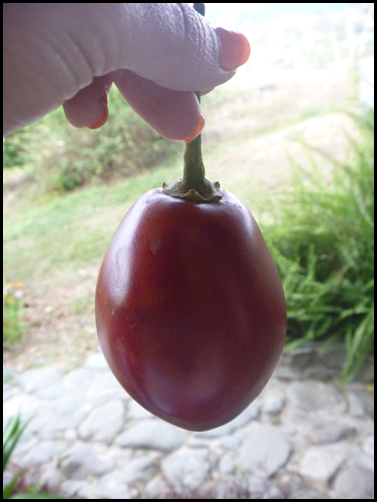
{"x":190,"y":309}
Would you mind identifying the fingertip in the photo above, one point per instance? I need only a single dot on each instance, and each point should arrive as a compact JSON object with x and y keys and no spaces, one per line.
{"x":89,"y":107}
{"x":207,"y":91}
{"x":234,"y":49}
{"x":199,"y":128}
{"x":172,"y":114}
{"x":102,"y":121}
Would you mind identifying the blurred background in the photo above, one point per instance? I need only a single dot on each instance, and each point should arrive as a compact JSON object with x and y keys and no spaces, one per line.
{"x":292,"y":135}
{"x":293,"y":110}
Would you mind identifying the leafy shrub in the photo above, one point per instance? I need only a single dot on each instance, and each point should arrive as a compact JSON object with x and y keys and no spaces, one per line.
{"x":16,"y":149}
{"x":121,"y":148}
{"x":63,"y":158}
{"x":323,"y":244}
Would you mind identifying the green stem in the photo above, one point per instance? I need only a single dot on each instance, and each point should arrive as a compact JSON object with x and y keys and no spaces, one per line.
{"x":194,"y":185}
{"x":193,"y":167}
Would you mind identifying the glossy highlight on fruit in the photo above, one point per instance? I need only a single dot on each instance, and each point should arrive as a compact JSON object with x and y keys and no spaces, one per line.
{"x":190,"y":309}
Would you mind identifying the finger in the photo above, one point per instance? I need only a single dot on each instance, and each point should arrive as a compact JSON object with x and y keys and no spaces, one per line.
{"x":177,"y":48}
{"x":203,"y":93}
{"x":90,"y":106}
{"x":173,"y":114}
{"x":234,"y":49}
{"x":52,"y":51}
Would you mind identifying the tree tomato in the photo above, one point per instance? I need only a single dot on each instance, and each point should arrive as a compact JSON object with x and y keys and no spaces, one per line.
{"x":190,"y":309}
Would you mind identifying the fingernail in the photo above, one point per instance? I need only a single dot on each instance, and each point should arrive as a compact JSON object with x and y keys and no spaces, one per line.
{"x":234,"y":49}
{"x":198,"y":129}
{"x":105,"y":116}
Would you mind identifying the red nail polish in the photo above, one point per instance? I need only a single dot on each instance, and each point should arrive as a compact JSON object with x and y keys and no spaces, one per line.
{"x":198,"y":130}
{"x":105,"y":116}
{"x":234,"y":49}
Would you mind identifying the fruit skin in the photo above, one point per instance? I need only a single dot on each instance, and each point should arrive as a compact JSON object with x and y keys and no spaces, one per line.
{"x":190,"y":309}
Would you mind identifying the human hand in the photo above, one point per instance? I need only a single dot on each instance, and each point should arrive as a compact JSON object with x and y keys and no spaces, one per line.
{"x":70,"y":54}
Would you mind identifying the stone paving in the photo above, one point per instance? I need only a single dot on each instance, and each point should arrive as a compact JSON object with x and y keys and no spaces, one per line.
{"x":303,"y":438}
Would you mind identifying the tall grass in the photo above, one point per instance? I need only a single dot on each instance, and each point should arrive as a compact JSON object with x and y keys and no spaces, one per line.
{"x":322,"y":240}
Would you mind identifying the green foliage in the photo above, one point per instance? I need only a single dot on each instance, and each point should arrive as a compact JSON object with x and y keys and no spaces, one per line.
{"x":124,"y":146}
{"x":15,"y":149}
{"x":63,"y":158}
{"x":12,"y":327}
{"x":12,"y":433}
{"x":323,"y":243}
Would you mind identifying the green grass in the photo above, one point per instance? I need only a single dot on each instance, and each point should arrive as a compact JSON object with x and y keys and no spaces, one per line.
{"x":12,"y":332}
{"x":13,"y":325}
{"x":322,"y":240}
{"x":70,"y":231}
{"x":81,"y":304}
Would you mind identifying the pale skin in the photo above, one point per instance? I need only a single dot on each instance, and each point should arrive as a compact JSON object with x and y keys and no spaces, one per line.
{"x":156,"y":54}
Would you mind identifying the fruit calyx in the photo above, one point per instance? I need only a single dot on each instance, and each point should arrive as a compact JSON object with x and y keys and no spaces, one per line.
{"x":194,"y":185}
